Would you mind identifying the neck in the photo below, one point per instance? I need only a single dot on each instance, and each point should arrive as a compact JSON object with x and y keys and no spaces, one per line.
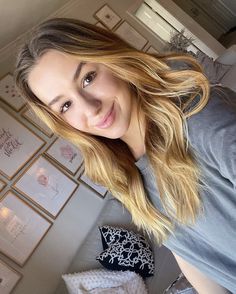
{"x":134,"y":137}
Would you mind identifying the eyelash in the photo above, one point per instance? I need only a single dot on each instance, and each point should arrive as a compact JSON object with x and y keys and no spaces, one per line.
{"x":93,"y":74}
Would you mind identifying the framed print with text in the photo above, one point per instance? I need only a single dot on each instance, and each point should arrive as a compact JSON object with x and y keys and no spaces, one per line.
{"x":107,"y":17}
{"x":21,"y":228}
{"x":130,"y":35}
{"x":9,"y":94}
{"x":46,"y":186}
{"x":9,"y":278}
{"x":18,"y":144}
{"x":2,"y":185}
{"x":36,"y":121}
{"x":65,"y":154}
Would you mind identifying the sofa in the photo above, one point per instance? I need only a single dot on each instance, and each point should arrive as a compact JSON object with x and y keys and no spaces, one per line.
{"x":113,"y":213}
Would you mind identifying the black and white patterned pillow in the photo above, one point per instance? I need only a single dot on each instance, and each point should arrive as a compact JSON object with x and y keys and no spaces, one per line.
{"x":125,"y":250}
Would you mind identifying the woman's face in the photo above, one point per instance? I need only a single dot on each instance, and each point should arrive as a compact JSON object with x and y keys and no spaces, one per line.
{"x":83,"y":94}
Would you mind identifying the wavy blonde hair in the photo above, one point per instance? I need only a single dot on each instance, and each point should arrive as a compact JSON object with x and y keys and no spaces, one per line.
{"x":163,"y":96}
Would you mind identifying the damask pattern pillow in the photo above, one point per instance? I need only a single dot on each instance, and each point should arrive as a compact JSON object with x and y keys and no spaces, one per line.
{"x":125,"y":250}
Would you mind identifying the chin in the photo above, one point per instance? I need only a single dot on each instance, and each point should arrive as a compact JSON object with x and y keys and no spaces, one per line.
{"x":115,"y":133}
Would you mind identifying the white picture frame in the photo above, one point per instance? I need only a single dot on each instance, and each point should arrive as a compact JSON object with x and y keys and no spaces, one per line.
{"x":9,"y":278}
{"x":100,"y":190}
{"x":66,"y":154}
{"x":30,"y":115}
{"x":9,"y":94}
{"x":130,"y":35}
{"x":46,"y":186}
{"x":22,"y":228}
{"x":18,"y":144}
{"x":107,"y":17}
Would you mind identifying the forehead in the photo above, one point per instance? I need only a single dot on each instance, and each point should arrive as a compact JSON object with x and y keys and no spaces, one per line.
{"x":52,"y":62}
{"x":51,"y":73}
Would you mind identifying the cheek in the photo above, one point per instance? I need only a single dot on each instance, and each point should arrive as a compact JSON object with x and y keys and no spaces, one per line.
{"x":106,"y":86}
{"x":75,"y":120}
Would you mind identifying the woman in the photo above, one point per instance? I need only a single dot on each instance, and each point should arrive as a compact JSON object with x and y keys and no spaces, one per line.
{"x":143,"y":125}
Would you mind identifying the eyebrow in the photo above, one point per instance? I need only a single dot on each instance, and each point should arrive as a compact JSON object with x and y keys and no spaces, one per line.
{"x":75,"y":77}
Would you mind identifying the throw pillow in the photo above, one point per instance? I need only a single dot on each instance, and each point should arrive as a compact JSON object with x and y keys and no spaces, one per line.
{"x":125,"y":250}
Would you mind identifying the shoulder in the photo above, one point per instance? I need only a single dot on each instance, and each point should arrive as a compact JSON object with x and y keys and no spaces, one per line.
{"x":220,"y":108}
{"x":211,"y":132}
{"x":218,"y":115}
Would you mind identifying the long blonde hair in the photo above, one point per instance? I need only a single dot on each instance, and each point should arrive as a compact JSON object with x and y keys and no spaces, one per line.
{"x":163,"y":95}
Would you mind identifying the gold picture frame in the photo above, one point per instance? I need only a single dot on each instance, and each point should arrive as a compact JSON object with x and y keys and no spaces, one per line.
{"x":2,"y":184}
{"x":30,"y":116}
{"x":101,"y":191}
{"x":8,"y":93}
{"x":9,"y":278}
{"x":22,"y":228}
{"x":18,"y":144}
{"x":65,"y":154}
{"x":107,"y":16}
{"x":46,"y":186}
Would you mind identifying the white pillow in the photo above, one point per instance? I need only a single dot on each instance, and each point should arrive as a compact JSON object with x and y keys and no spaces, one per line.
{"x":103,"y":280}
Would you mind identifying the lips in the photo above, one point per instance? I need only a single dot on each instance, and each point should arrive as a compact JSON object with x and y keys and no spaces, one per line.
{"x":105,"y":118}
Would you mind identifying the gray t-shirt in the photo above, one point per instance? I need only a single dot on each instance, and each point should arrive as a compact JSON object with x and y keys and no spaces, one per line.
{"x":209,"y":245}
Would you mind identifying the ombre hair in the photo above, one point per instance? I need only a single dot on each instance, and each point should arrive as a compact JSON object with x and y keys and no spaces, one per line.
{"x":163,"y":95}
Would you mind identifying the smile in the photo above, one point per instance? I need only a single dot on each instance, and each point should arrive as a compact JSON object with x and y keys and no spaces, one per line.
{"x":108,"y":120}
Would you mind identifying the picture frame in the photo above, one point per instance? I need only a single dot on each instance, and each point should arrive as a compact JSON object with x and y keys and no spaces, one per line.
{"x":9,"y":94}
{"x":22,"y":228}
{"x":45,"y":186}
{"x":2,"y":185}
{"x":9,"y":278}
{"x":36,"y":121}
{"x":66,"y":155}
{"x":107,"y":16}
{"x":18,"y":144}
{"x":99,"y":24}
{"x":100,"y":190}
{"x":131,"y":35}
{"x":151,"y":50}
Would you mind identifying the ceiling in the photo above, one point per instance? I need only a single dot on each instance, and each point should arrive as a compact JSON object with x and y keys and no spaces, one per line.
{"x":18,"y":16}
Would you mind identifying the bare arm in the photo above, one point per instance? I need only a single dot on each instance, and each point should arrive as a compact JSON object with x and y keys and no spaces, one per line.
{"x":201,"y":283}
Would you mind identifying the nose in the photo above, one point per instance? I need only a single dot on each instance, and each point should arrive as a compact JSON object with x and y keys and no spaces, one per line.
{"x":89,"y":106}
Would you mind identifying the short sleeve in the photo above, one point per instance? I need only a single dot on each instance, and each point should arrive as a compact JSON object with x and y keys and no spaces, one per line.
{"x":212,"y":132}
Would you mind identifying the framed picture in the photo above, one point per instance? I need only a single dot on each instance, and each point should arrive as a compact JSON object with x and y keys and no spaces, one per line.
{"x":130,"y":35}
{"x":2,"y":185}
{"x":21,"y":228}
{"x":36,"y":121}
{"x":66,"y":154}
{"x":101,"y":190}
{"x":99,"y":24}
{"x":18,"y":144}
{"x":46,"y":186}
{"x":152,"y":50}
{"x":107,"y":17}
{"x":9,"y":94}
{"x":9,"y":278}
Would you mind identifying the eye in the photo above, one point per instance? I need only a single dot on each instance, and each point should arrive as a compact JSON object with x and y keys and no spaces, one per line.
{"x":89,"y":78}
{"x":66,"y":105}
